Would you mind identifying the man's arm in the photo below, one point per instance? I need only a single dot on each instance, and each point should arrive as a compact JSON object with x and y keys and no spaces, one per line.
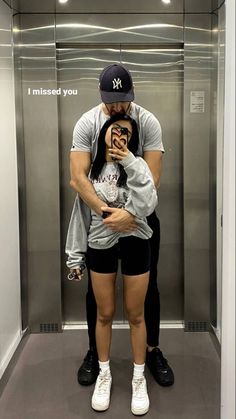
{"x":154,"y":161}
{"x":80,"y":163}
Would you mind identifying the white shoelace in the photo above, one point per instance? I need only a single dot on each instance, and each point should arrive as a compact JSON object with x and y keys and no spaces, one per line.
{"x":139,"y":387}
{"x":103,"y":383}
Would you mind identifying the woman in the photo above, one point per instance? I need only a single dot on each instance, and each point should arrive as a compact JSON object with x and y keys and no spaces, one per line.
{"x":121,"y":180}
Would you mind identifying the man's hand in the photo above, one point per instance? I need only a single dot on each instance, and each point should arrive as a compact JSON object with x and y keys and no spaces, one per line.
{"x":119,"y":220}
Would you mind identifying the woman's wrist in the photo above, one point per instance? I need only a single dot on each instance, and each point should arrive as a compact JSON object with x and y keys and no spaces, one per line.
{"x":130,"y":158}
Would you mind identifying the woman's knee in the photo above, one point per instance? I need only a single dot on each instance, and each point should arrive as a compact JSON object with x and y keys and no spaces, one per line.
{"x":135,"y":318}
{"x":105,"y":317}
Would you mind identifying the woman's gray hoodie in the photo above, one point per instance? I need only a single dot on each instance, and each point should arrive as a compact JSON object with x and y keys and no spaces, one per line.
{"x":139,"y":198}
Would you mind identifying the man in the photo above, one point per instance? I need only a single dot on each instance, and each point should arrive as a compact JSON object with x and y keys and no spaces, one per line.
{"x":117,"y":94}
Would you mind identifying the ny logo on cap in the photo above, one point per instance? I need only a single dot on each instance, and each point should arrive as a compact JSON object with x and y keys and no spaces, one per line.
{"x":117,"y":84}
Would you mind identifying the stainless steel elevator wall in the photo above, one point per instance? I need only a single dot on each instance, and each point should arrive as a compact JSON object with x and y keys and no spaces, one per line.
{"x":184,"y":194}
{"x":196,"y":152}
{"x":91,"y":6}
{"x":40,"y":127}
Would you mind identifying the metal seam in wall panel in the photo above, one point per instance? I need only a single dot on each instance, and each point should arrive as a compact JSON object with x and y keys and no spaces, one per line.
{"x":61,"y":45}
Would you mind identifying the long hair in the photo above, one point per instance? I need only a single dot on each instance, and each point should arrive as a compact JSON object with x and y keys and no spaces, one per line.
{"x":100,"y":158}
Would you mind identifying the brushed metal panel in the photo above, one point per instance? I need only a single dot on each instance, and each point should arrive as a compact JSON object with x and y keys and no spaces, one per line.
{"x":158,"y":80}
{"x":44,"y":282}
{"x":199,"y":6}
{"x":91,"y":6}
{"x":131,"y":6}
{"x":36,"y":6}
{"x":42,"y":171}
{"x":198,"y":33}
{"x":104,"y":6}
{"x":197,"y":77}
{"x":133,"y":28}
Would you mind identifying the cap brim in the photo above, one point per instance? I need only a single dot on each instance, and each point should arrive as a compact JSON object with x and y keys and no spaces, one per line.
{"x":112,"y":97}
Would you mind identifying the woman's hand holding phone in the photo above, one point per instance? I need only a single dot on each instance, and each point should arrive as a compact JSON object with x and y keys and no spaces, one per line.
{"x":76,"y":274}
{"x":119,"y":141}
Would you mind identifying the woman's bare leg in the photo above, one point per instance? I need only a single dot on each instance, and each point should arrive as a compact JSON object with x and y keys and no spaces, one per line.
{"x":135,"y":288}
{"x":104,"y":291}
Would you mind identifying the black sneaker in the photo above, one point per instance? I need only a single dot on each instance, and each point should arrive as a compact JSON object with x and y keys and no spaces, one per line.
{"x":159,"y":367}
{"x":88,"y":372}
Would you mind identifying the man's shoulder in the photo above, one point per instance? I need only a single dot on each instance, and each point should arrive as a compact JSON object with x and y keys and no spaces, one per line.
{"x":142,"y":113}
{"x":145,"y":119}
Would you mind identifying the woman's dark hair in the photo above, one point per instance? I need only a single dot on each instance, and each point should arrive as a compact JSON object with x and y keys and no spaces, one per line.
{"x":100,"y":158}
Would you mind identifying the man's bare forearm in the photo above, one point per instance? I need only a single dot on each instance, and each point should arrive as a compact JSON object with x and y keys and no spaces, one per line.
{"x":87,"y":192}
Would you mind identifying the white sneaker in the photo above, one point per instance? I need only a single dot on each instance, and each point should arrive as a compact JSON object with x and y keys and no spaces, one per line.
{"x":101,"y":394}
{"x":140,"y":399}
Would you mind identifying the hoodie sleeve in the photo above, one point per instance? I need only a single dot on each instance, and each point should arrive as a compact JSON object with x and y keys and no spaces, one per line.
{"x":77,"y":234}
{"x":142,"y":192}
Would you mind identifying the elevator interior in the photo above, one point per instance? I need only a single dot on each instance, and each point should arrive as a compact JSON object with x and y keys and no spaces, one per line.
{"x":176,"y":56}
{"x":172,"y":59}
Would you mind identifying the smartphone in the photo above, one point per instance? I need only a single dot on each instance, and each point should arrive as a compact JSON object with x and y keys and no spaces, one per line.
{"x":120,"y":133}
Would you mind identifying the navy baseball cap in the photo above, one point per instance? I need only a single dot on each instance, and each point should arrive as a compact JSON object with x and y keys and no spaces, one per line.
{"x":116,"y":84}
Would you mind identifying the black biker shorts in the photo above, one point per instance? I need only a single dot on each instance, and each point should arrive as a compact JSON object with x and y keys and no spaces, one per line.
{"x":134,"y":253}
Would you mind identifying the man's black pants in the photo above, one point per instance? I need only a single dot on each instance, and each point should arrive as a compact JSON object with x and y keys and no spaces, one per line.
{"x":152,"y":301}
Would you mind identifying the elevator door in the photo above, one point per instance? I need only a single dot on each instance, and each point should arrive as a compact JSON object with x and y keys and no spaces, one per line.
{"x":158,"y":79}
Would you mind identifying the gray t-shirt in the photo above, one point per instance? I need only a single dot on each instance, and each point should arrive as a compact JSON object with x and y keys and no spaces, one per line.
{"x":88,"y":127}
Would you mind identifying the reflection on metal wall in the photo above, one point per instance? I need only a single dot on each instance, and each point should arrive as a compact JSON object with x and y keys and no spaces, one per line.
{"x":120,"y":29}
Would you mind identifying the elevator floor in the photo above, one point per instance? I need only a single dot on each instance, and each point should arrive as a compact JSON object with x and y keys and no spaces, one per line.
{"x":42,"y":382}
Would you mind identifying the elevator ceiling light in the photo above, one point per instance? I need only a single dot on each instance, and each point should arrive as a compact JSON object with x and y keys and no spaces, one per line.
{"x":63,"y":1}
{"x":166,"y":1}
